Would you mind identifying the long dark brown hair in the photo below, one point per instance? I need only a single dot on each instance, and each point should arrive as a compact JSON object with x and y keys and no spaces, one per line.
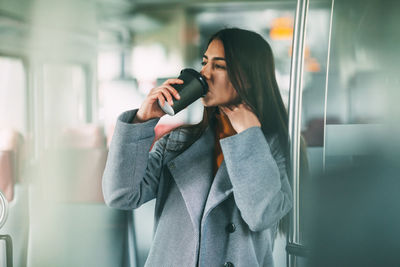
{"x":251,"y":70}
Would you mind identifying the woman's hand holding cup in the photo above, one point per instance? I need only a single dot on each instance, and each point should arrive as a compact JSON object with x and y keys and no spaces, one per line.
{"x":150,"y":108}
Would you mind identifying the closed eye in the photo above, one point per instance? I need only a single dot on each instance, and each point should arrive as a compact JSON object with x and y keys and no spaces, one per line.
{"x":220,"y":67}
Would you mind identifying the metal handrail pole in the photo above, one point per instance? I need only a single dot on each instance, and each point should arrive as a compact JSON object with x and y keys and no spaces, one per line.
{"x":3,"y":209}
{"x":294,"y":127}
{"x":327,"y":83}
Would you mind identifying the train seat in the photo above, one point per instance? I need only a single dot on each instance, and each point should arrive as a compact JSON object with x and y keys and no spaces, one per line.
{"x":16,"y":192}
{"x":9,"y":148}
{"x":70,"y":225}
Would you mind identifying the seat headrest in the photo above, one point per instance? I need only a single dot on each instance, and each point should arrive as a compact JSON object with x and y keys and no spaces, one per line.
{"x":10,"y":140}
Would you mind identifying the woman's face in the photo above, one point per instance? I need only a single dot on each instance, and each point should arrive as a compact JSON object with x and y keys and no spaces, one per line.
{"x":221,"y":91}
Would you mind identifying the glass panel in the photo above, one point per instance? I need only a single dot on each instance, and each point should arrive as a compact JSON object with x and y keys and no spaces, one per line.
{"x":358,"y":190}
{"x":316,"y":50}
{"x":12,"y":94}
{"x":362,"y":78}
{"x":314,"y":83}
{"x":64,"y":89}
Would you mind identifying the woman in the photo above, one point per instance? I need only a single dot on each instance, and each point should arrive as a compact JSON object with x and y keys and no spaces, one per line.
{"x":221,"y":186}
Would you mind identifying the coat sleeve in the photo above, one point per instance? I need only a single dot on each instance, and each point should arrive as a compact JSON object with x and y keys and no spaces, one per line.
{"x":132,"y":173}
{"x":257,"y":171}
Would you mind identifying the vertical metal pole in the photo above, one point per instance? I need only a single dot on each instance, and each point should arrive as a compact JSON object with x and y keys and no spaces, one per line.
{"x":3,"y":209}
{"x":9,"y":252}
{"x":132,"y":242}
{"x":294,"y":127}
{"x":326,"y":84}
{"x":6,"y":238}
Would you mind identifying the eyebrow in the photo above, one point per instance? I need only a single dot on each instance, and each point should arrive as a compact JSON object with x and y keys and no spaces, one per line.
{"x":214,"y":58}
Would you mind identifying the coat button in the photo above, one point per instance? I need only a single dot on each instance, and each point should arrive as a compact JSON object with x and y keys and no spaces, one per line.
{"x":172,"y":165}
{"x":228,"y":264}
{"x":231,"y":227}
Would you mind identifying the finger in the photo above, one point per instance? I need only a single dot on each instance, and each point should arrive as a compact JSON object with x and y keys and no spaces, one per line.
{"x":173,"y":91}
{"x":153,"y":96}
{"x":167,"y":96}
{"x":243,"y":105}
{"x":230,"y":107}
{"x":167,"y":83}
{"x":224,"y":109}
{"x":155,"y":91}
{"x":173,"y":81}
{"x":162,"y":99}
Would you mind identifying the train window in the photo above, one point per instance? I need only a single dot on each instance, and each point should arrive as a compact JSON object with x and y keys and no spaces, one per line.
{"x":361,"y":79}
{"x":64,"y":96}
{"x":346,"y":80}
{"x":13,"y":94}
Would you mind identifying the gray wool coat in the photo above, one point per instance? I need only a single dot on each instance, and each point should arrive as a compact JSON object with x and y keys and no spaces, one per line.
{"x":201,"y":220}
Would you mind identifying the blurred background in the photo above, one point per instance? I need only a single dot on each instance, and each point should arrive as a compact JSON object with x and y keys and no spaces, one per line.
{"x":69,"y":68}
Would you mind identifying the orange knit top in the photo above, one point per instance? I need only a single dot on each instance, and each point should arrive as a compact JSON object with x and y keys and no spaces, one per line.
{"x":223,"y":129}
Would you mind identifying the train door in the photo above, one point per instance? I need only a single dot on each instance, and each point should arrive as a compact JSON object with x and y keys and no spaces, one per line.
{"x":342,"y":88}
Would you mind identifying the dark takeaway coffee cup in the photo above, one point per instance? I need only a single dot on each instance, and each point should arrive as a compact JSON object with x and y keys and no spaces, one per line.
{"x":194,"y":86}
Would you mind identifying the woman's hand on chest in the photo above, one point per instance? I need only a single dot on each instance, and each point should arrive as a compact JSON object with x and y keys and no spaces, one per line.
{"x":241,"y":117}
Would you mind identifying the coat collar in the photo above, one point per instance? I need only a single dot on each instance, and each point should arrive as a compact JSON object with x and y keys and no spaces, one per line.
{"x":192,"y":171}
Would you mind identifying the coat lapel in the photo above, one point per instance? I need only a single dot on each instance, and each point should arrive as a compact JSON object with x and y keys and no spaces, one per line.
{"x":220,"y":189}
{"x":192,"y":172}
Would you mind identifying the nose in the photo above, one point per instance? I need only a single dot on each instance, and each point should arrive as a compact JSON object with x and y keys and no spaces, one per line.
{"x":205,"y":71}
